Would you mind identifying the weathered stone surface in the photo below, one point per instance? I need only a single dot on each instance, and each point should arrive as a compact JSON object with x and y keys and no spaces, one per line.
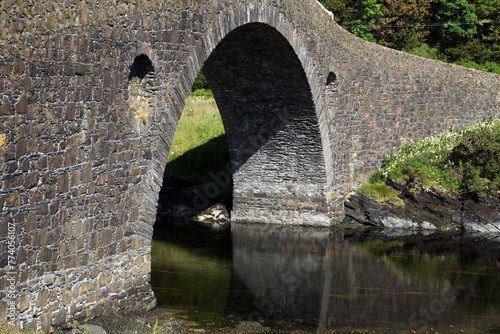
{"x":249,"y":327}
{"x":88,"y":329}
{"x":427,"y":209}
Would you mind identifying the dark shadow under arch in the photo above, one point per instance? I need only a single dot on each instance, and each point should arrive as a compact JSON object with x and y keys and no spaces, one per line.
{"x":269,"y":115}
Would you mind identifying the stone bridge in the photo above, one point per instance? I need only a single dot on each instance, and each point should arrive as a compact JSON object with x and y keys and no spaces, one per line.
{"x":90,"y":95}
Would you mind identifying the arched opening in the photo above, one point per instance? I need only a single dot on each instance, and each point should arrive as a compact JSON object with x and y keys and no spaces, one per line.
{"x":274,"y":145}
{"x":141,"y":66}
{"x":266,"y":103}
{"x":197,"y":181}
{"x":331,"y":82}
{"x":197,"y":174}
{"x":142,"y":87}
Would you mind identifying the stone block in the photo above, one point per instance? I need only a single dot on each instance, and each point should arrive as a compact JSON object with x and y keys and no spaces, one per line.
{"x":22,"y":105}
{"x":87,"y":172}
{"x":31,"y":223}
{"x":123,"y":246}
{"x":75,"y":291}
{"x":60,"y":317}
{"x":43,"y":297}
{"x":46,"y":320}
{"x":63,"y":183}
{"x":45,"y":254}
{"x":6,"y":107}
{"x":67,"y":296}
{"x":31,"y":180}
{"x":56,"y":162}
{"x":22,"y":301}
{"x":135,"y":243}
{"x":106,"y":237}
{"x":3,"y":312}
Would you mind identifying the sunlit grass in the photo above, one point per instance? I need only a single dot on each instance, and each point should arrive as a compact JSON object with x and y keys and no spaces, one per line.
{"x":199,"y":145}
{"x":462,"y":160}
{"x":381,"y":193}
{"x":200,"y":121}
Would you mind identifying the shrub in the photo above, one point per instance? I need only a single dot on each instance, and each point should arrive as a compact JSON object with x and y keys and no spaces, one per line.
{"x":200,"y":86}
{"x":479,"y":153}
{"x":465,"y":160}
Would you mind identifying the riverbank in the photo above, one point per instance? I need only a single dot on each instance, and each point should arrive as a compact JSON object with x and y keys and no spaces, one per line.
{"x":167,"y":321}
{"x":446,"y":182}
{"x":430,"y":208}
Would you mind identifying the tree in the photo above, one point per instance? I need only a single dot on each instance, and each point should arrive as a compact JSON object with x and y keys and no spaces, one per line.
{"x":457,"y":21}
{"x":466,"y":32}
{"x":369,"y":13}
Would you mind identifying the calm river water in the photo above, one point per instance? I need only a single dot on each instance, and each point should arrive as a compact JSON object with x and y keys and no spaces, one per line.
{"x":324,"y":279}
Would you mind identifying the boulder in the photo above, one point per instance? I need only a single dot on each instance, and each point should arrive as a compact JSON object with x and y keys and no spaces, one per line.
{"x":215,"y":217}
{"x":249,"y":327}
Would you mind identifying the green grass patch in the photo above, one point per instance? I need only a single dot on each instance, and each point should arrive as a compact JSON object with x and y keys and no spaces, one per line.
{"x":463,"y":160}
{"x":381,"y":193}
{"x":199,"y":145}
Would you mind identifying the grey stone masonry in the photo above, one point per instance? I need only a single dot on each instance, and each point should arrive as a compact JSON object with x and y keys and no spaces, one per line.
{"x":90,"y":96}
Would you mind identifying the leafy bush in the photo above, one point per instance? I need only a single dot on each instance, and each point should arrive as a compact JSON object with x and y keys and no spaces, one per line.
{"x":200,"y":86}
{"x":479,"y":154}
{"x":202,"y":92}
{"x":488,"y":66}
{"x":200,"y":82}
{"x":465,"y":160}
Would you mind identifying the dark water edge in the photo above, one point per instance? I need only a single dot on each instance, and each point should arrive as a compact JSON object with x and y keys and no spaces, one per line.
{"x":319,"y":280}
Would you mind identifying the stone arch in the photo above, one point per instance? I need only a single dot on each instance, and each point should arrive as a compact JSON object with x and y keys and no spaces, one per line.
{"x":97,"y":187}
{"x":272,"y":128}
{"x":311,"y":198}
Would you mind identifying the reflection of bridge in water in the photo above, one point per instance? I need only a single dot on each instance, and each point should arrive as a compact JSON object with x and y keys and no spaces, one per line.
{"x":328,"y":281}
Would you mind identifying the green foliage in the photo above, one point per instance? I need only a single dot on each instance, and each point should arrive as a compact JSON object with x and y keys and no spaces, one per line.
{"x":344,"y":10}
{"x":458,"y":18}
{"x":369,"y":13}
{"x":465,"y":160}
{"x":423,"y":50}
{"x":488,"y":66}
{"x":200,"y":86}
{"x":478,"y":154}
{"x":464,"y":32}
{"x":202,"y":92}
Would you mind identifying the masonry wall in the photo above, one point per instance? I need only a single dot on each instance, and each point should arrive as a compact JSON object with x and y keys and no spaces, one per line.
{"x":84,"y":138}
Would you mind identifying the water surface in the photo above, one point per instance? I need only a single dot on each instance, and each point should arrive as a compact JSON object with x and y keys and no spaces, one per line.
{"x":325,"y":279}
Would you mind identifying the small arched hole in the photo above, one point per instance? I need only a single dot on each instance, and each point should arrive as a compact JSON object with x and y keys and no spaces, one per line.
{"x":141,"y":66}
{"x":332,"y":79}
{"x":331,"y":83}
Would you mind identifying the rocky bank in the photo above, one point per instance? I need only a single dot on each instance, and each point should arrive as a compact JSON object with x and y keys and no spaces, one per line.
{"x":427,"y":209}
